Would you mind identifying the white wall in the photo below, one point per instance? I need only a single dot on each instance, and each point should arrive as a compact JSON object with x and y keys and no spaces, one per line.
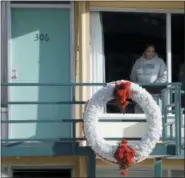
{"x":128,"y":129}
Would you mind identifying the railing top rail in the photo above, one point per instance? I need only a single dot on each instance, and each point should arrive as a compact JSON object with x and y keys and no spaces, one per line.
{"x":70,"y":120}
{"x":84,"y":84}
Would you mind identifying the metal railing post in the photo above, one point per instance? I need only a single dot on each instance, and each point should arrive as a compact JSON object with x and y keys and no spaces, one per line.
{"x":158,"y":167}
{"x":178,"y":119}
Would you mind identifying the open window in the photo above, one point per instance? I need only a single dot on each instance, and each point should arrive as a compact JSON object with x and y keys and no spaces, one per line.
{"x":119,"y":38}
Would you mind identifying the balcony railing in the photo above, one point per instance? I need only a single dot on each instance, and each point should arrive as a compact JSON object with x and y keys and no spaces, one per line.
{"x":171,"y":104}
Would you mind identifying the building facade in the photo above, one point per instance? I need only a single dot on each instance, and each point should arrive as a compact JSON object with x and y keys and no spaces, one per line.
{"x":45,"y":43}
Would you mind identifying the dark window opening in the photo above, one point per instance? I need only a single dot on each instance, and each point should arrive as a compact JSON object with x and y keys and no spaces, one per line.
{"x":42,"y":173}
{"x":125,"y":38}
{"x":178,"y":49}
{"x":177,"y":31}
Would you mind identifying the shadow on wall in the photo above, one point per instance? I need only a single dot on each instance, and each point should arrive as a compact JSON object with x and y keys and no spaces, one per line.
{"x":135,"y":130}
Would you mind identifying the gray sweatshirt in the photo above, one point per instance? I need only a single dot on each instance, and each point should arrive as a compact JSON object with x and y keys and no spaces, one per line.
{"x":149,"y":71}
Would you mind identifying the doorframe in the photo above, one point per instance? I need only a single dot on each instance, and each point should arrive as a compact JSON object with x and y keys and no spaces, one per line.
{"x":72,"y":46}
{"x":167,"y":12}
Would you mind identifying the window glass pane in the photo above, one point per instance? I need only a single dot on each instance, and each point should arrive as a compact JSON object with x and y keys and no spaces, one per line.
{"x":178,"y":59}
{"x":165,"y":173}
{"x":178,"y":173}
{"x":126,"y":36}
{"x":177,"y":46}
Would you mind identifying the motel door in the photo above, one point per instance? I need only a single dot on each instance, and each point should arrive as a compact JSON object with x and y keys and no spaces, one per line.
{"x":39,"y":53}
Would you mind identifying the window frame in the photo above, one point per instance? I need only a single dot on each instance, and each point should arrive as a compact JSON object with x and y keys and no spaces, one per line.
{"x":168,"y":13}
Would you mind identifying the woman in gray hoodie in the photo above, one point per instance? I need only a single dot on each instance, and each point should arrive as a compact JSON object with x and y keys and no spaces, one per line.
{"x":149,"y":68}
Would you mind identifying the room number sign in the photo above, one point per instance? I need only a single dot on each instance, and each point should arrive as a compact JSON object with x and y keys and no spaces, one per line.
{"x":41,"y":37}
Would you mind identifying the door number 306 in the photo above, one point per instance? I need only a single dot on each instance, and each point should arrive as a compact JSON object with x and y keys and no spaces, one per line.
{"x":42,"y":37}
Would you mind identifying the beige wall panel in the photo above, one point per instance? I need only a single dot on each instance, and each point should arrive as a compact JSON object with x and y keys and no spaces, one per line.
{"x":82,"y":58}
{"x":167,"y":164}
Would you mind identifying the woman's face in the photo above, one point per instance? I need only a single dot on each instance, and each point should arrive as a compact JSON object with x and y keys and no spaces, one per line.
{"x":150,"y":52}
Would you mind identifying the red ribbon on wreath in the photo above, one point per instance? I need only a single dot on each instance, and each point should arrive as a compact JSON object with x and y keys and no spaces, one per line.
{"x":122,"y":93}
{"x":124,"y":154}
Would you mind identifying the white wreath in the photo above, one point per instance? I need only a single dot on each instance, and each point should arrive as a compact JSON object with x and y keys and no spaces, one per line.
{"x":94,"y":109}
